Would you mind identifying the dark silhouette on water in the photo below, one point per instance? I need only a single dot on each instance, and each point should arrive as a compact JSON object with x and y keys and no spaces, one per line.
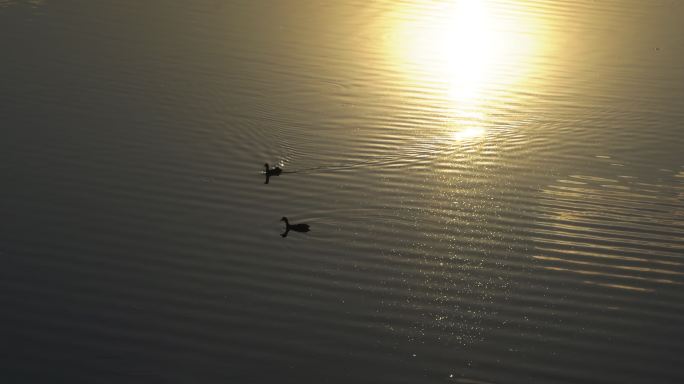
{"x":295,"y":227}
{"x":275,"y":171}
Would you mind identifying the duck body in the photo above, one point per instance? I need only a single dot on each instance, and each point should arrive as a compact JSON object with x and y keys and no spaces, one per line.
{"x":295,"y":227}
{"x":275,"y":171}
{"x":300,"y":227}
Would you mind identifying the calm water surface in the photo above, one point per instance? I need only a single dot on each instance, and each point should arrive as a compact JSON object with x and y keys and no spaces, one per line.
{"x":495,"y":191}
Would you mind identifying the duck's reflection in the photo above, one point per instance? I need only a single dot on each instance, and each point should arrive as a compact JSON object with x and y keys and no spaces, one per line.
{"x":301,"y":227}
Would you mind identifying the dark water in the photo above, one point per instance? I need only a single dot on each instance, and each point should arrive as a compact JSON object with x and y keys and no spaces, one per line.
{"x":495,"y":191}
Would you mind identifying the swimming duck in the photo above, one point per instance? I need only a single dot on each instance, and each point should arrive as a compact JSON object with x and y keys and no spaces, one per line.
{"x":275,"y":171}
{"x":294,"y":227}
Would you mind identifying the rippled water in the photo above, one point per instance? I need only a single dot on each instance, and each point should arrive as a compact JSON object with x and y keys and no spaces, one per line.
{"x":495,"y":191}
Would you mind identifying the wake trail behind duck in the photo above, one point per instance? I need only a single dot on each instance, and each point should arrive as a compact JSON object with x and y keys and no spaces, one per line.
{"x":417,"y":154}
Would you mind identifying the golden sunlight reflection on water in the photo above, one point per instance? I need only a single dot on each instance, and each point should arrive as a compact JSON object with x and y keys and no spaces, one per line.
{"x":462,"y":51}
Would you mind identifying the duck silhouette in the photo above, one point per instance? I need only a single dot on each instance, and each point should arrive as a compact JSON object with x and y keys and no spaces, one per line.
{"x":294,"y":227}
{"x":275,"y":171}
